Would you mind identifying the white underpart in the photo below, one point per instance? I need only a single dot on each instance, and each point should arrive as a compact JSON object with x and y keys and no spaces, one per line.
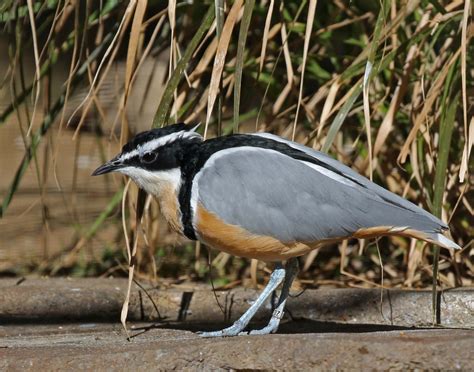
{"x":158,"y":142}
{"x":154,"y":182}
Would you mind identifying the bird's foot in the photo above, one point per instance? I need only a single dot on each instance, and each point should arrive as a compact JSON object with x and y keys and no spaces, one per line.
{"x":272,"y":325}
{"x":234,"y":330}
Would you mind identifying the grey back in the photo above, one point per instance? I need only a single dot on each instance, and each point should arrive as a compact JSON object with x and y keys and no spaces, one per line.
{"x":271,"y":194}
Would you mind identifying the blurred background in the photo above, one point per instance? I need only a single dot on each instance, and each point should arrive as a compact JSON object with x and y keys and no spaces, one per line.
{"x":383,"y":86}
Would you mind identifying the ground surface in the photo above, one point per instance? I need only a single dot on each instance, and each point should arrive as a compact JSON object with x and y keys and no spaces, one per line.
{"x":73,"y":324}
{"x":103,"y":347}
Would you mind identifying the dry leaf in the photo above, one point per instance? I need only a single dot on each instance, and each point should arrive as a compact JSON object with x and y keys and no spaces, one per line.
{"x":219,"y":60}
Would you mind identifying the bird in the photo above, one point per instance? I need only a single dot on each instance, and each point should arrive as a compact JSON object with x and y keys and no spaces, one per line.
{"x":261,"y":196}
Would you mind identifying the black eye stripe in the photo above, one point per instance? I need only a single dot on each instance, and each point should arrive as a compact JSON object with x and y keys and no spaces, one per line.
{"x":148,"y":157}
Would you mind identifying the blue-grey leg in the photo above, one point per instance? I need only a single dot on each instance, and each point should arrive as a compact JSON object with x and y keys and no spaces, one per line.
{"x":276,"y":278}
{"x":272,"y":326}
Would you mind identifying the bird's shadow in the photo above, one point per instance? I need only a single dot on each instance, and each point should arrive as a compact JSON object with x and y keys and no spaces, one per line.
{"x":298,"y":326}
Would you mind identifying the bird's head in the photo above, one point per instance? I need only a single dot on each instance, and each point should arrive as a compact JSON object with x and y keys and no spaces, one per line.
{"x":153,"y":156}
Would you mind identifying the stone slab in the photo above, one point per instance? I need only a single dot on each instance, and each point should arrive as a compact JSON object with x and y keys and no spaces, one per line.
{"x":56,"y":300}
{"x":103,"y":347}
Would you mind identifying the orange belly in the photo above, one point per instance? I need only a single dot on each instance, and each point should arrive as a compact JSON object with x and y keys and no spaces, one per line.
{"x":240,"y":242}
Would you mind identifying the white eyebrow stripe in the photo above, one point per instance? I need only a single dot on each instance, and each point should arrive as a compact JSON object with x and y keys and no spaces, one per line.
{"x":128,"y":155}
{"x":156,"y":143}
{"x":150,"y":145}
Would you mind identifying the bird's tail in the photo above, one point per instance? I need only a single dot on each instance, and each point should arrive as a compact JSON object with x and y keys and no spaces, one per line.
{"x":442,"y":241}
{"x":431,"y":237}
{"x":435,"y":237}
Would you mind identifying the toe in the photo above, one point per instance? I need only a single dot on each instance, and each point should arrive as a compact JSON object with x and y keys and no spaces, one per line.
{"x":233,"y":330}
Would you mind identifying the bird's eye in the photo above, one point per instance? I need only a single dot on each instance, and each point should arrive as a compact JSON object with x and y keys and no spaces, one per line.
{"x":148,"y":157}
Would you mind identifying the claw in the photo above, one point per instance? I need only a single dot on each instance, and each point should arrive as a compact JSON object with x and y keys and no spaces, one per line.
{"x":272,"y":327}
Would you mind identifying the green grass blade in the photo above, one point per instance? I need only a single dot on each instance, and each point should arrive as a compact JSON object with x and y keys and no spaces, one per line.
{"x":45,"y":68}
{"x":116,"y":198}
{"x":341,"y":116}
{"x":31,"y":153}
{"x":220,"y":16}
{"x":219,"y":7}
{"x":244,"y":27}
{"x":162,"y":113}
{"x":370,"y":72}
{"x":445,"y":135}
{"x":438,"y":6}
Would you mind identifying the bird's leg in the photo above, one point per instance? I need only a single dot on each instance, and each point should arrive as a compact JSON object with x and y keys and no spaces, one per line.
{"x":276,"y":278}
{"x":274,"y":300}
{"x":272,"y":326}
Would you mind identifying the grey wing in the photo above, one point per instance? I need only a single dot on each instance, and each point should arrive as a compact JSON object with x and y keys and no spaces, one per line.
{"x":350,"y":173}
{"x":272,"y":194}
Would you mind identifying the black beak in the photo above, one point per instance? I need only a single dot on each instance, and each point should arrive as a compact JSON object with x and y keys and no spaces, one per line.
{"x":108,"y":167}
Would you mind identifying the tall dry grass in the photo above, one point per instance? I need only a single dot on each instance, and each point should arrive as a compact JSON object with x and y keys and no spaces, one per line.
{"x":383,"y":86}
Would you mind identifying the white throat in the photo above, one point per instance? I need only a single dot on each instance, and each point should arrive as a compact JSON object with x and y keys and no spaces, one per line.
{"x":157,"y":182}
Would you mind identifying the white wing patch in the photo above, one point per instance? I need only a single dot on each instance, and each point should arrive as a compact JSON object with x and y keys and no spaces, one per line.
{"x":328,"y":173}
{"x":318,"y":168}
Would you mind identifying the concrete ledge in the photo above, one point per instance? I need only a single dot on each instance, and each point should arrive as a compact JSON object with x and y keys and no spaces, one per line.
{"x":53,"y":300}
{"x":103,"y":347}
